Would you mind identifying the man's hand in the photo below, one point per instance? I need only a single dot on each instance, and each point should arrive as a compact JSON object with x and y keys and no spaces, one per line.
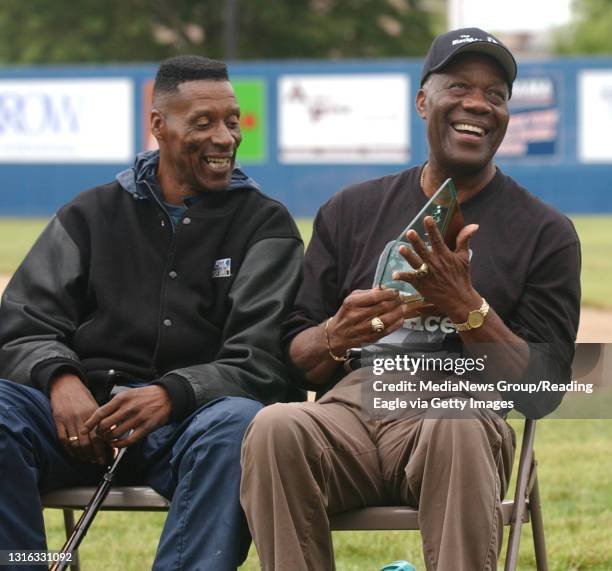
{"x":350,"y":327}
{"x":141,"y":409}
{"x":447,"y":283}
{"x":72,"y":404}
{"x":352,"y":324}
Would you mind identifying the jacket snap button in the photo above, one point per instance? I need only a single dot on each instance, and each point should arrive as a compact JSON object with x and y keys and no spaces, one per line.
{"x":187,"y":220}
{"x":172,"y":275}
{"x":168,"y":322}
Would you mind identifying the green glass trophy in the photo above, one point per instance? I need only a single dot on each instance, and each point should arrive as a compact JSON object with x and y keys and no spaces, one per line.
{"x":444,"y":209}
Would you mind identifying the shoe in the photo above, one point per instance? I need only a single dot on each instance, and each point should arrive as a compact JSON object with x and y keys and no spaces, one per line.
{"x":399,"y":566}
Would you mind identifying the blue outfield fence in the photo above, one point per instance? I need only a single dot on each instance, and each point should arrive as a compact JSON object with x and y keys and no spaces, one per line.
{"x":310,"y":129}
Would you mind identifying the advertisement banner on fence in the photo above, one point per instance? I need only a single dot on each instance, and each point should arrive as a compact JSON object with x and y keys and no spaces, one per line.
{"x":343,"y":118}
{"x":66,"y":120}
{"x":594,"y":115}
{"x":533,"y":131}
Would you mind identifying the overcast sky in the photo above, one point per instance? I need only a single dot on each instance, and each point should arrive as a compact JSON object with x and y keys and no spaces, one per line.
{"x":513,"y":15}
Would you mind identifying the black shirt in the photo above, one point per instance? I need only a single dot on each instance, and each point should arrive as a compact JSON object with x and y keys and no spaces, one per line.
{"x":525,"y":258}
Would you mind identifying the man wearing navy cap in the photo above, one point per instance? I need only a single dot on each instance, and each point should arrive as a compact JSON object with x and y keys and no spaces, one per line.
{"x":512,"y":280}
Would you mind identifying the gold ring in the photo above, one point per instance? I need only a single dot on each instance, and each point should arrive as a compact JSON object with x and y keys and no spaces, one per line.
{"x":73,"y":438}
{"x":422,"y":271}
{"x":377,"y":325}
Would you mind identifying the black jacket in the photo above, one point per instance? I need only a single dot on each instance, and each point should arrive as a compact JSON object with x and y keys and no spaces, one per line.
{"x":111,"y":292}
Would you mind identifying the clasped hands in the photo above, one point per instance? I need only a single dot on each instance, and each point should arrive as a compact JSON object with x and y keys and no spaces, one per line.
{"x":446,"y":285}
{"x":88,"y":431}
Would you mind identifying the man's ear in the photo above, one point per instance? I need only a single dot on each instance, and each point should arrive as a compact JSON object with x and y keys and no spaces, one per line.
{"x":420,"y":103}
{"x":157,"y":124}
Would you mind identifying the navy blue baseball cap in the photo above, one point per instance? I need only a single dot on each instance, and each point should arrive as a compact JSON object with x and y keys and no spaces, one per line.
{"x":447,"y":46}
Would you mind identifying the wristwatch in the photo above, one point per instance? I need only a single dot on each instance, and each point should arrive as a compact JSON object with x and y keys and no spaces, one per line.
{"x":475,"y":318}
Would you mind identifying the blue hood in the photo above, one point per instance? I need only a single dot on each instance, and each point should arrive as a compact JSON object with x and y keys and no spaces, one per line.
{"x":145,"y":166}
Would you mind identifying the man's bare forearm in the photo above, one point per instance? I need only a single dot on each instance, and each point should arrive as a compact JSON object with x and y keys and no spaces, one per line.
{"x":309,"y":353}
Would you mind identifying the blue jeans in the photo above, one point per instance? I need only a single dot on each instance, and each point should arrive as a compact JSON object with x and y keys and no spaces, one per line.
{"x":195,"y":463}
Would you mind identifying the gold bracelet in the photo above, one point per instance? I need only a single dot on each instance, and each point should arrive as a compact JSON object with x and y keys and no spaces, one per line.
{"x":342,"y":359}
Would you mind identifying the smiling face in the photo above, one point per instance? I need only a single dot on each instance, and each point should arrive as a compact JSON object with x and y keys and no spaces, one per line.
{"x":197,"y":128}
{"x":466,"y":109}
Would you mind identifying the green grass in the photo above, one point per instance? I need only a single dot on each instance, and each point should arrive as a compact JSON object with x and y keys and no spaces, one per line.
{"x":596,"y":238}
{"x":16,"y":237}
{"x":574,"y":470}
{"x":305,"y":227}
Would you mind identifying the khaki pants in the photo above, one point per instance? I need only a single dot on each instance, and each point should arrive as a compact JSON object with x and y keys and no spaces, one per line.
{"x":303,"y":462}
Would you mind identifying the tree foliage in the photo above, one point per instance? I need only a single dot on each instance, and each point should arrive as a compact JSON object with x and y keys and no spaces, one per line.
{"x":65,"y":31}
{"x":590,"y":31}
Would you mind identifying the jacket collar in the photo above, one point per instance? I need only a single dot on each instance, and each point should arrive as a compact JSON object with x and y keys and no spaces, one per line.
{"x":139,"y":178}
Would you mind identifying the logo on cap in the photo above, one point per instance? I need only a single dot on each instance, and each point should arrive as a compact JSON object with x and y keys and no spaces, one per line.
{"x":467,"y":39}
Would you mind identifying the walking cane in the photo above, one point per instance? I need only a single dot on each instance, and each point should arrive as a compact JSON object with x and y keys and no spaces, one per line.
{"x":91,"y":510}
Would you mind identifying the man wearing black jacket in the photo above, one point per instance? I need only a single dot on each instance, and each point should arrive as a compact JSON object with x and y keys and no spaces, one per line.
{"x":172,"y":281}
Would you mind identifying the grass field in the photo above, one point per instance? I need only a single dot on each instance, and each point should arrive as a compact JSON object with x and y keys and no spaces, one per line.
{"x":16,"y":237}
{"x":574,"y":455}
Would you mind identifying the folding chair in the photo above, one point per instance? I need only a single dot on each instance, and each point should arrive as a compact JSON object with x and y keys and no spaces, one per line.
{"x":525,"y":506}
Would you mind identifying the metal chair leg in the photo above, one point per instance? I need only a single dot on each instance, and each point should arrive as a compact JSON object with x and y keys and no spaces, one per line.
{"x":537,"y":527}
{"x":520,"y":495}
{"x":69,"y":526}
{"x":513,"y":544}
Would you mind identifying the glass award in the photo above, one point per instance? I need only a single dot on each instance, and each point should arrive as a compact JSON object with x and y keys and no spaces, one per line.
{"x":444,"y":209}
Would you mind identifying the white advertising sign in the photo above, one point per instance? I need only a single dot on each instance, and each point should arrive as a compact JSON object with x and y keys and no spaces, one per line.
{"x":66,"y":121}
{"x":343,"y":118}
{"x":595,"y":115}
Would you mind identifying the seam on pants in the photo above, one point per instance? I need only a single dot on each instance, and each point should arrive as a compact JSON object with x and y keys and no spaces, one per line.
{"x":431,"y":561}
{"x":494,"y":530}
{"x":184,"y":511}
{"x":304,"y":540}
